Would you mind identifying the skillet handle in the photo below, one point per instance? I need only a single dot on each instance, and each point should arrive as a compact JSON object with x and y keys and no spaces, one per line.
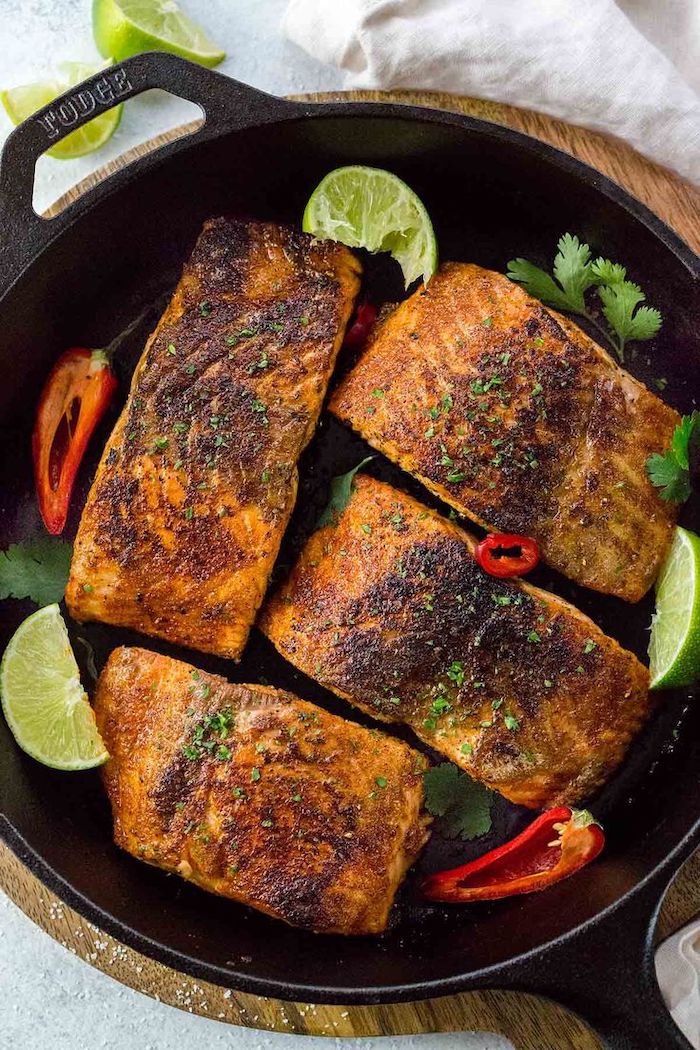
{"x":227,"y":105}
{"x":606,"y":974}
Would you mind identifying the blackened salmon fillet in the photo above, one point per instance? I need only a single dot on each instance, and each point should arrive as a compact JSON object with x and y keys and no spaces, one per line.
{"x":512,"y":415}
{"x":256,"y":795}
{"x":199,"y":477}
{"x":388,"y":608}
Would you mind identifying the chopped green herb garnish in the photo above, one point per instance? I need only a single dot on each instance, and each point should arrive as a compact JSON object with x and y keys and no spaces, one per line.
{"x":255,"y":773}
{"x":533,"y":636}
{"x":205,"y":308}
{"x":380,"y":782}
{"x":589,"y":645}
{"x":455,"y":672}
{"x":206,"y":733}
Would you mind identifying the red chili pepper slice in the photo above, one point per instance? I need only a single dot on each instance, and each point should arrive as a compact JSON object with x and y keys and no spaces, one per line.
{"x":359,"y":330}
{"x":74,"y":399}
{"x":507,"y":554}
{"x":556,"y":845}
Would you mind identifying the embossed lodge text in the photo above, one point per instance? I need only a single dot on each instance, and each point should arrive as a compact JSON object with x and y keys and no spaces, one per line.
{"x":101,"y":94}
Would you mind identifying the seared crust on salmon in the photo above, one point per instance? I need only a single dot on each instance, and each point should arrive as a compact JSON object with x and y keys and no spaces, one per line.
{"x":258,"y":796}
{"x":517,"y":419}
{"x":199,"y":477}
{"x":389,"y":609}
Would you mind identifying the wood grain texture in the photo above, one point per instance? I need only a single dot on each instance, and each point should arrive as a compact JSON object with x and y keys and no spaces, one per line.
{"x":530,"y":1023}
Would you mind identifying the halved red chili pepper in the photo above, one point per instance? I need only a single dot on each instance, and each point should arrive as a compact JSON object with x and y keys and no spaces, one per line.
{"x":556,"y":845}
{"x":74,"y":399}
{"x":507,"y":554}
{"x":357,"y":333}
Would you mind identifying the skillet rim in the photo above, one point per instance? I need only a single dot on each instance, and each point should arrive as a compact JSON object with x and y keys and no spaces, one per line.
{"x":283,"y":111}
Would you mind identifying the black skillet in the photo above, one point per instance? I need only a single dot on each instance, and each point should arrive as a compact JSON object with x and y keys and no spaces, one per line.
{"x":80,"y":278}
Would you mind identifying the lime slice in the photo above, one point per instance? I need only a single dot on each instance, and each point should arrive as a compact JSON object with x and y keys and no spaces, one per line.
{"x":674,"y":646}
{"x":21,"y":102}
{"x":44,"y":703}
{"x":373,"y":209}
{"x":128,"y":27}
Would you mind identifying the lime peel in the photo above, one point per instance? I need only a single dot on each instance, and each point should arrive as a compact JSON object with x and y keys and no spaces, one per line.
{"x":374,"y":209}
{"x":45,"y":705}
{"x":674,"y":645}
{"x":128,"y":27}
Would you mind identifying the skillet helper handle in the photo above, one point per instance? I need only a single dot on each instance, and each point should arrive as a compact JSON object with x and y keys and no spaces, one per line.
{"x":606,"y":974}
{"x":227,"y":105}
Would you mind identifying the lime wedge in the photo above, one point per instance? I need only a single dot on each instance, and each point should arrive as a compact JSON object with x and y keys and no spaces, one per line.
{"x":21,"y":102}
{"x":373,"y":209}
{"x":44,"y":703}
{"x":127,"y":27}
{"x":674,"y":646}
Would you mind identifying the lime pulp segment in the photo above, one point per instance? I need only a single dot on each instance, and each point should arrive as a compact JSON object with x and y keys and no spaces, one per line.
{"x":374,"y":209}
{"x":43,"y":701}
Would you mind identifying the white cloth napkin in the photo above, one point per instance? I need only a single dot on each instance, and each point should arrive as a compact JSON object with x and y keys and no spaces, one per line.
{"x":630,"y":68}
{"x":678,"y":971}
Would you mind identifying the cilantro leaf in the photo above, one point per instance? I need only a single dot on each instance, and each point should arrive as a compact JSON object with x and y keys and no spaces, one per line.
{"x":574,"y":273}
{"x":686,"y":434}
{"x":572,"y":268}
{"x":462,"y":804}
{"x":606,"y":272}
{"x":340,"y":493}
{"x":619,"y":305}
{"x":538,"y":283}
{"x":670,"y":470}
{"x":37,"y":569}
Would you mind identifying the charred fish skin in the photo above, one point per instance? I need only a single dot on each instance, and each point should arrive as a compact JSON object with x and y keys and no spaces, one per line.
{"x":512,"y":415}
{"x":199,"y":477}
{"x":389,"y":609}
{"x":258,"y":796}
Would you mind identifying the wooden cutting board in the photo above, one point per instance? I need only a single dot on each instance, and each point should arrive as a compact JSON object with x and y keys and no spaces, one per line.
{"x":530,"y":1023}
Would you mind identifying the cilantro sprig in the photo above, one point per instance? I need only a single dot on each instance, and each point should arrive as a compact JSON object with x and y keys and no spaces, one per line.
{"x":670,"y":471}
{"x":37,"y":569}
{"x":574,"y":273}
{"x":462,"y":805}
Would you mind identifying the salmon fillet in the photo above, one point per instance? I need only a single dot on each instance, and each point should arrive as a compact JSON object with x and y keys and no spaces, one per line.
{"x":389,"y":609}
{"x":253,"y":794}
{"x":198,"y":479}
{"x":513,"y":416}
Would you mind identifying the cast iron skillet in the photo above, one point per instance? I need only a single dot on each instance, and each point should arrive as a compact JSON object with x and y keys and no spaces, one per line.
{"x":79,"y":278}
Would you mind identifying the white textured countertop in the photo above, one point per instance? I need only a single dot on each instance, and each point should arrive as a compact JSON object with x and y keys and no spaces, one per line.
{"x":51,"y":1000}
